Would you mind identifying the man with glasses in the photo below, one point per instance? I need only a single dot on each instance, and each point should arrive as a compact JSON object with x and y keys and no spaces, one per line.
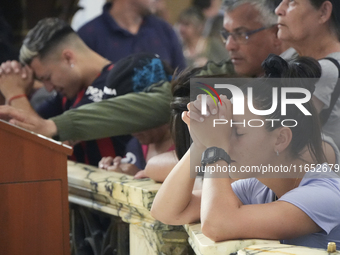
{"x":250,"y":34}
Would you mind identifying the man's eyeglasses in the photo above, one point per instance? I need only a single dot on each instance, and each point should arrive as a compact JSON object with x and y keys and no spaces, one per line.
{"x":239,"y":37}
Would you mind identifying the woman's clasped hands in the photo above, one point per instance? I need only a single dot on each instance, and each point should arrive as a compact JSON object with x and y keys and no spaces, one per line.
{"x":213,"y":128}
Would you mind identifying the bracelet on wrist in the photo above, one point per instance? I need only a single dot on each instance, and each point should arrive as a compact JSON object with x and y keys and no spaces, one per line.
{"x":15,"y":97}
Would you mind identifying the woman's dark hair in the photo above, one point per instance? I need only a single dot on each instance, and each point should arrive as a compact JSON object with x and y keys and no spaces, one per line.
{"x":335,"y":18}
{"x":181,"y":97}
{"x":308,"y":128}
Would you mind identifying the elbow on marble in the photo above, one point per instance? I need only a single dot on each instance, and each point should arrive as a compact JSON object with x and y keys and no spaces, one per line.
{"x":166,"y":219}
{"x":212,"y":230}
{"x":155,"y":213}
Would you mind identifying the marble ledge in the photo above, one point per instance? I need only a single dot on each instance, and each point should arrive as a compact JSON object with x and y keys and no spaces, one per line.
{"x":120,"y":195}
{"x":112,"y":186}
{"x":115,"y":194}
{"x":90,"y":199}
{"x":202,"y":245}
{"x":128,"y":214}
{"x":283,"y":249}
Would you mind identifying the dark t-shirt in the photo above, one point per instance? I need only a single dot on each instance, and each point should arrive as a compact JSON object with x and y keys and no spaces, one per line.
{"x":106,"y":37}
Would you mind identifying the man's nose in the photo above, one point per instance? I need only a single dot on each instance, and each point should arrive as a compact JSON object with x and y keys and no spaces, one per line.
{"x":231,"y":44}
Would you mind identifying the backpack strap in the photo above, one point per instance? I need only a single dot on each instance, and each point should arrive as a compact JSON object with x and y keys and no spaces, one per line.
{"x":325,"y":113}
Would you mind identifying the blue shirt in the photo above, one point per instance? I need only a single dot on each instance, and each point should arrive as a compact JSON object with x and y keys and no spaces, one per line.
{"x":106,"y":37}
{"x":318,"y":195}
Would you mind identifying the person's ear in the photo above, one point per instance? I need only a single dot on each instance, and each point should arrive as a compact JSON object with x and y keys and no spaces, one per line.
{"x":325,"y":12}
{"x":69,"y":57}
{"x":283,"y":138}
